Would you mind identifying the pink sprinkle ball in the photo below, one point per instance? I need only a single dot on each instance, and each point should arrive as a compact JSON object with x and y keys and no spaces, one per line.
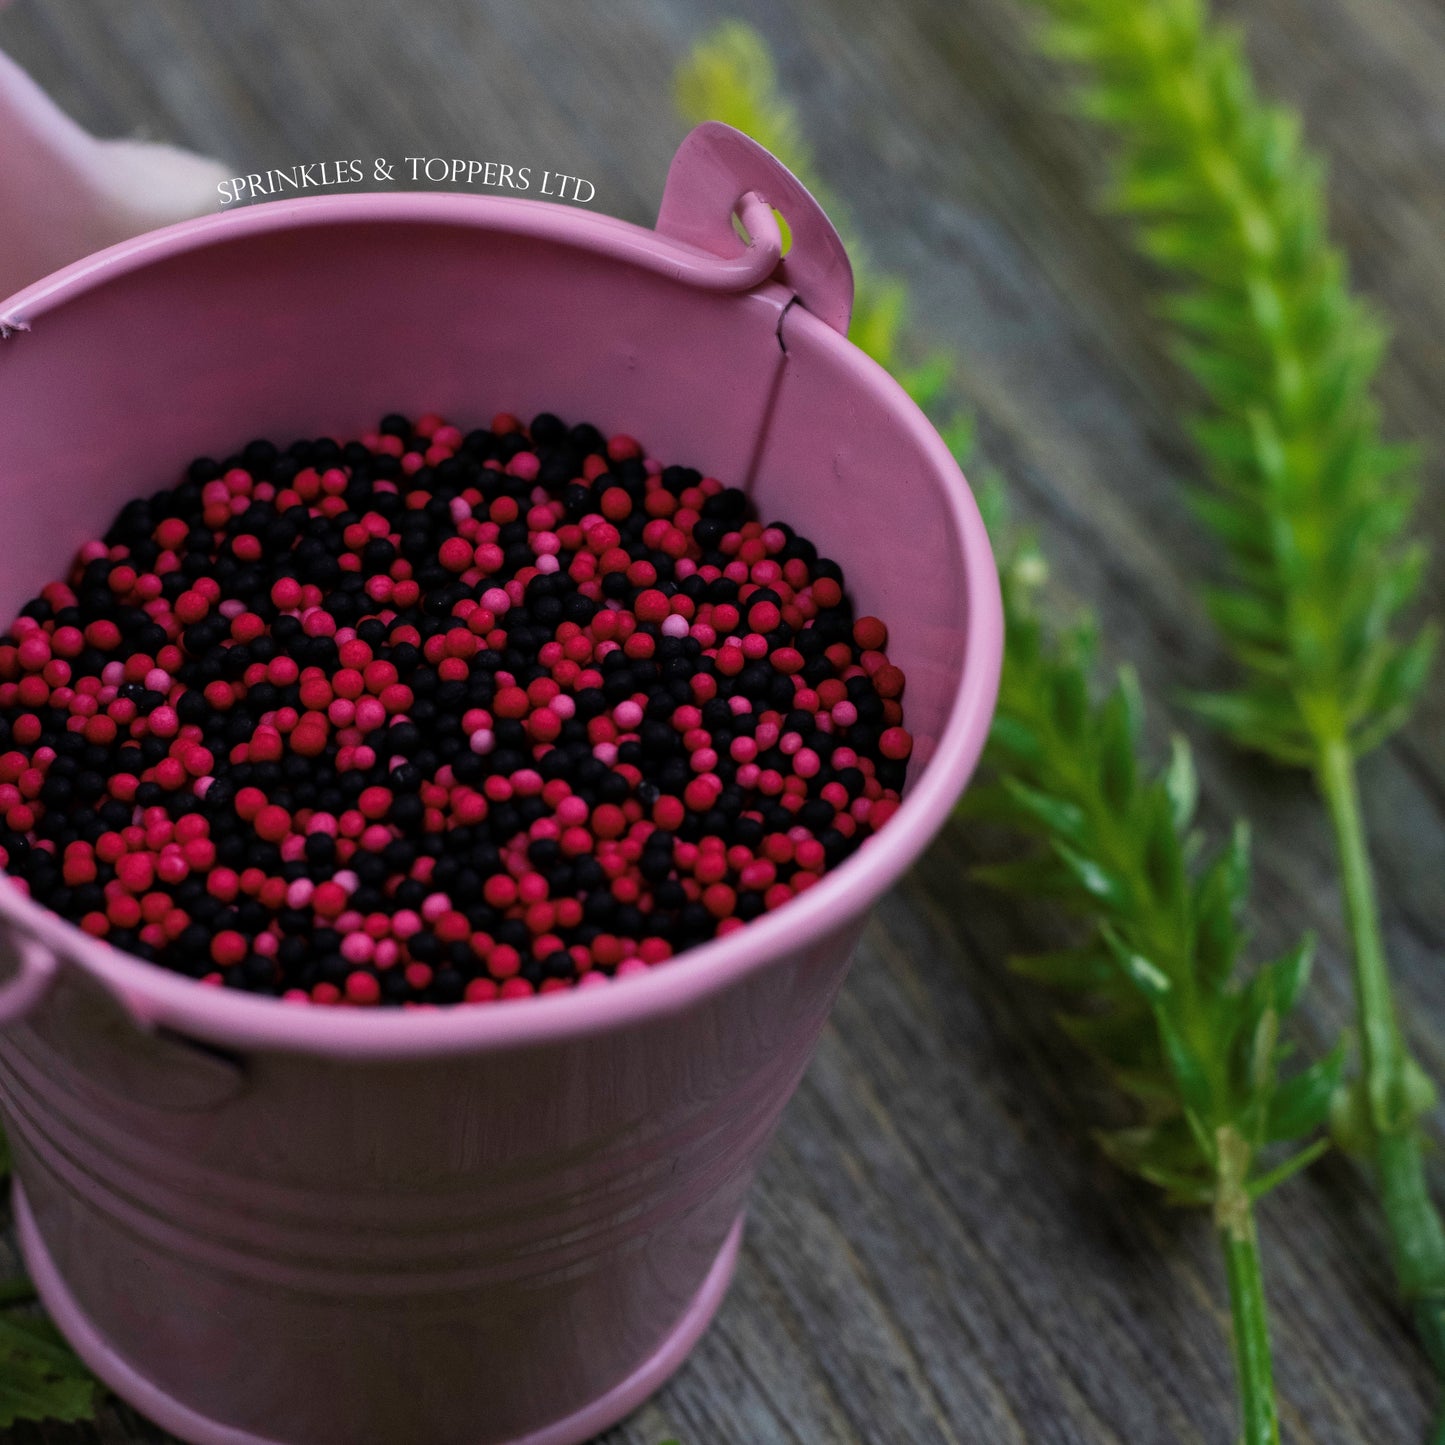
{"x":440,"y":716}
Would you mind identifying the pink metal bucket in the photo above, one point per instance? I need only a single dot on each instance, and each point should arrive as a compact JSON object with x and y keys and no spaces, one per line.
{"x":486,"y":1224}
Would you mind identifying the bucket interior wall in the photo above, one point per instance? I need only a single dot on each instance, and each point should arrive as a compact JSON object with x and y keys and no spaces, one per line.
{"x":321,"y":329}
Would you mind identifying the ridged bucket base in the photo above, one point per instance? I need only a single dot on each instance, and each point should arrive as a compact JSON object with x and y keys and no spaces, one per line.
{"x":110,"y":1366}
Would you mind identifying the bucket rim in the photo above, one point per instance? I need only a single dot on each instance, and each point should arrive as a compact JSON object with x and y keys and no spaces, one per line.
{"x":556,"y":221}
{"x":156,"y":997}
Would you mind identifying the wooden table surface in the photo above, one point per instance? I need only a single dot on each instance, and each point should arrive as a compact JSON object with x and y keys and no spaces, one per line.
{"x":936,"y":1254}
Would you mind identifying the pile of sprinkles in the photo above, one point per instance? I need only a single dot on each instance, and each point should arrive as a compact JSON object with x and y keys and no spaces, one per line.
{"x":431,"y":717}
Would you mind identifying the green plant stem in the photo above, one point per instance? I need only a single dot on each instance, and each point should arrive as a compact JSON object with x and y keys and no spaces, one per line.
{"x":1253,"y":1366}
{"x":1381,"y":1048}
{"x":1395,"y":1137}
{"x":1416,"y":1234}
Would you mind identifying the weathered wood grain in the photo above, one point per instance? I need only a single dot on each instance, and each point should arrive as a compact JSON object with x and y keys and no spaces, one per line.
{"x":936,"y":1253}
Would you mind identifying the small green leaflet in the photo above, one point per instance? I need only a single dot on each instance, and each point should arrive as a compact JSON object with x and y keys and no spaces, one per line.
{"x":40,"y":1378}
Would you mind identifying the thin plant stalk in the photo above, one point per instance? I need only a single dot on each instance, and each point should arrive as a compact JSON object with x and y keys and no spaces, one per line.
{"x":1253,"y":1359}
{"x":1398,"y":1146}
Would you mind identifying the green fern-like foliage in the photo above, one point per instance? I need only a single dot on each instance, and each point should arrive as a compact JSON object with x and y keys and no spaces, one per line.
{"x":1312,"y":505}
{"x":1159,"y":997}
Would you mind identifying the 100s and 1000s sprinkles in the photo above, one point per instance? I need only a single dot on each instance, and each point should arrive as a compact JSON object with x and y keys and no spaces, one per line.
{"x":431,"y":717}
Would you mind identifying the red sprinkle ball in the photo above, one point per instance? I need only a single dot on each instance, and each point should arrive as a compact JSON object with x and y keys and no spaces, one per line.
{"x":431,"y":718}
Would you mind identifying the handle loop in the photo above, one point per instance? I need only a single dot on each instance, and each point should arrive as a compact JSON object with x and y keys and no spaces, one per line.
{"x":718,"y":170}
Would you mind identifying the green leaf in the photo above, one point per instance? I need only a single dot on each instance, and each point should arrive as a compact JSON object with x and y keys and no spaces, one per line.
{"x":1418,"y":1088}
{"x":1189,"y":1070}
{"x":1349,"y":1118}
{"x":1270,"y":995}
{"x":1118,"y":1039}
{"x":987,"y":801}
{"x":1218,"y":900}
{"x":1257,"y":719}
{"x":1246,"y":618}
{"x":1037,"y":877}
{"x":1151,"y":1088}
{"x":927,"y":381}
{"x":40,"y":1377}
{"x":1181,"y":783}
{"x":1264,"y":1183}
{"x":1153,"y":1154}
{"x":1402,"y":679}
{"x":960,"y":432}
{"x":1015,"y":737}
{"x":1163,"y":852}
{"x":1301,"y":1104}
{"x":1287,"y":975}
{"x":1079,"y":969}
{"x":1052,"y":814}
{"x":1146,"y":976}
{"x":1068,"y":701}
{"x":1092,"y":878}
{"x":1118,"y":737}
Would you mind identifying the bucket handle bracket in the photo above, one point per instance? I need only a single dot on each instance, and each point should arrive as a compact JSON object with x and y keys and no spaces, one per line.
{"x":137,"y":1057}
{"x":719,"y":172}
{"x":22,"y":994}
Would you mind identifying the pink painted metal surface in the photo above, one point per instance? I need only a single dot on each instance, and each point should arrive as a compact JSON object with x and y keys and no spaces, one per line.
{"x":697,"y":207}
{"x":475,"y":1225}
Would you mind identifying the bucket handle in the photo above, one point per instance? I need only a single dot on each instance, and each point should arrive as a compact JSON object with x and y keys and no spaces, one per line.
{"x":719,"y":172}
{"x":142,"y":1059}
{"x":22,"y":994}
